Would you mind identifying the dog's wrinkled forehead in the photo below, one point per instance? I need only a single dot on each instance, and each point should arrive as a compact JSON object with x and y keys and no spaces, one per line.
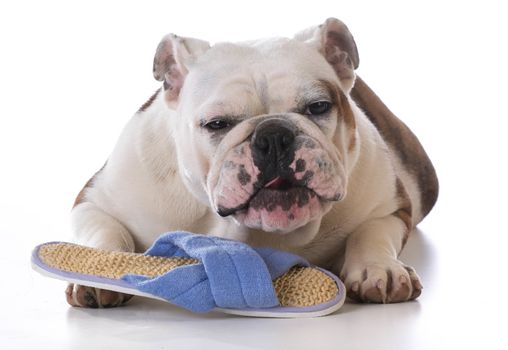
{"x":270,"y":73}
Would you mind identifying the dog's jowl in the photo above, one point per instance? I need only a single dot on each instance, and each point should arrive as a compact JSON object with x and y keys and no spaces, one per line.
{"x":273,"y":142}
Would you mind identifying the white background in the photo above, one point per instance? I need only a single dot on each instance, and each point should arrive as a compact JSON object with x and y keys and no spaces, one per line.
{"x":72,"y":73}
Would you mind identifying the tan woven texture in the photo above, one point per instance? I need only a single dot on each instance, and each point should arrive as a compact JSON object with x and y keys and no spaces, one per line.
{"x":300,"y":286}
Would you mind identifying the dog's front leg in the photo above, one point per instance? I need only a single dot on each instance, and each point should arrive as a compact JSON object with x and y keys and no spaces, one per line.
{"x":371,"y":270}
{"x":94,"y":227}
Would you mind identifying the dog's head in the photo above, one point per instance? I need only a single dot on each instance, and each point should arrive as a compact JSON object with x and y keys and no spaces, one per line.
{"x":264,"y":131}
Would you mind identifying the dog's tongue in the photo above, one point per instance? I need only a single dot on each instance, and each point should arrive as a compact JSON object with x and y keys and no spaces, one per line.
{"x":278,"y":184}
{"x":273,"y":184}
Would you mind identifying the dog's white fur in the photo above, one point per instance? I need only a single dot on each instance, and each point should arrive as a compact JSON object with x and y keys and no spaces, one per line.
{"x":157,"y":177}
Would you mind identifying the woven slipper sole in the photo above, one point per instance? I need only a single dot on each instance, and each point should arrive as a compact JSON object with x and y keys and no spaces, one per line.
{"x":302,"y":291}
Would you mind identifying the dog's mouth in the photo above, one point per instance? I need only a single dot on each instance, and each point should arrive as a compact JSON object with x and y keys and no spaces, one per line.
{"x":281,"y":192}
{"x":279,"y":184}
{"x":279,"y":204}
{"x":278,"y":191}
{"x":279,"y":195}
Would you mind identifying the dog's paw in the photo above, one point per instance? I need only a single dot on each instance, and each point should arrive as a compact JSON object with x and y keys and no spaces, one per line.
{"x":391,"y":282}
{"x":82,"y":296}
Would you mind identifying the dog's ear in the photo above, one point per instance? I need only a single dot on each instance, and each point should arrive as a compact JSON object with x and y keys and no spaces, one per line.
{"x":336,"y":43}
{"x":172,"y":59}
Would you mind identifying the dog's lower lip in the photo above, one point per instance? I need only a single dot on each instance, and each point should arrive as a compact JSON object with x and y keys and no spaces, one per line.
{"x":224,"y":212}
{"x":227,"y":211}
{"x":270,"y":198}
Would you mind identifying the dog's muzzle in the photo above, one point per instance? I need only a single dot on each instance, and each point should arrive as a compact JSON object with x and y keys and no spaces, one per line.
{"x":278,"y":179}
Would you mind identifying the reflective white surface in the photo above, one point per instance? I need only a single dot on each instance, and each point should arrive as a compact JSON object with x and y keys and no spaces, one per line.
{"x":72,"y":74}
{"x":453,"y":311}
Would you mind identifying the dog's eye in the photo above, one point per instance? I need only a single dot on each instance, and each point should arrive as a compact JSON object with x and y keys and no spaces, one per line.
{"x":318,"y":108}
{"x":217,"y":124}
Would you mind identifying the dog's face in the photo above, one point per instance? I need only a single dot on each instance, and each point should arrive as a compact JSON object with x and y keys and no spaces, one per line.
{"x":264,"y":129}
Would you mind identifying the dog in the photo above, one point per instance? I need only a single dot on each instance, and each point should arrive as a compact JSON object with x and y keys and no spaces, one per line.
{"x":272,"y":142}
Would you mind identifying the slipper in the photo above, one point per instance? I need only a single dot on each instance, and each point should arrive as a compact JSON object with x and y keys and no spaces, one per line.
{"x":201,"y":273}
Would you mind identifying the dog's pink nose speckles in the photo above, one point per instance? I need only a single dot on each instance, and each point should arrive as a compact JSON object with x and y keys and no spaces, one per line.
{"x":236,"y":179}
{"x":313,"y":166}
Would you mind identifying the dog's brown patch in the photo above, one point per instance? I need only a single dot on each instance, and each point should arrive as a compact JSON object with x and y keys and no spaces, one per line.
{"x":402,"y":140}
{"x":332,"y":89}
{"x":82,"y":194}
{"x":404,"y":213}
{"x":339,"y":99}
{"x":345,"y":112}
{"x":349,"y":118}
{"x":149,"y":102}
{"x":389,"y":281}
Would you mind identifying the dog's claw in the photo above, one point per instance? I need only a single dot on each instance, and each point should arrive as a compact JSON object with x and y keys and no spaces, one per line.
{"x":382,"y":283}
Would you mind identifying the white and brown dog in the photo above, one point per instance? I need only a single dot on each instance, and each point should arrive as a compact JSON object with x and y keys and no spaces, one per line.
{"x":273,"y":142}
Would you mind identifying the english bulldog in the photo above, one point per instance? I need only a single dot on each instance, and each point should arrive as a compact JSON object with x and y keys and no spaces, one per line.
{"x":271,"y":142}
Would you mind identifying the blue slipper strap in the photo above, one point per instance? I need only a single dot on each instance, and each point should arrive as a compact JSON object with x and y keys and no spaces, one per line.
{"x":230,"y":274}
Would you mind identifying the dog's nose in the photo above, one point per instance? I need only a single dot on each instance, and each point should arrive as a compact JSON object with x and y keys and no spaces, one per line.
{"x":273,"y":139}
